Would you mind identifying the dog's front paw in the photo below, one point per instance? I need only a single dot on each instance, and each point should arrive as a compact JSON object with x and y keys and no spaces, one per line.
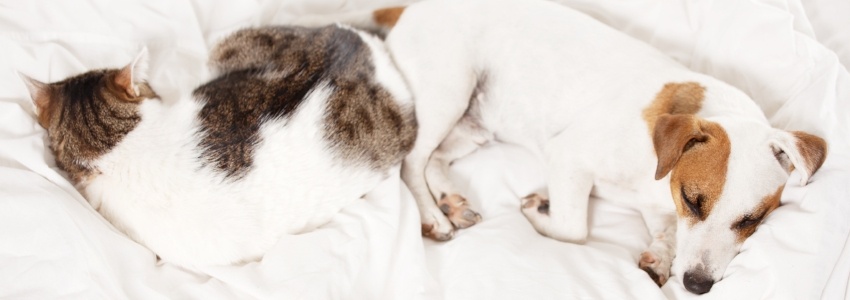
{"x":658,"y":267}
{"x":457,"y":209}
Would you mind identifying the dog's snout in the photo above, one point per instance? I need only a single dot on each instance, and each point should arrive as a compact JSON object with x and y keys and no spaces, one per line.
{"x":698,"y":282}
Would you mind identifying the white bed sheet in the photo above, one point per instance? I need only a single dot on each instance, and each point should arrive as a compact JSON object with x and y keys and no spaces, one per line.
{"x":53,"y":245}
{"x":829,"y":23}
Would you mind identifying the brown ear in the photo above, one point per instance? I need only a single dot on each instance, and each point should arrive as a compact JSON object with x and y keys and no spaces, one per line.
{"x":133,"y":73}
{"x":673,"y":135}
{"x":39,"y":96}
{"x":805,"y":152}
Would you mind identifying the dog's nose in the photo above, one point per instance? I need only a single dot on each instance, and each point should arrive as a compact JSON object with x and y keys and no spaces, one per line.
{"x":697,"y":282}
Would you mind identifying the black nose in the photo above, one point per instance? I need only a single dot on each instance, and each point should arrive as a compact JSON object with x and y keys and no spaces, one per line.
{"x":697,"y":282}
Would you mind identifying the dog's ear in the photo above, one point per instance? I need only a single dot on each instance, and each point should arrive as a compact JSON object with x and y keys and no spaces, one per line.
{"x":801,"y":150}
{"x":673,"y":135}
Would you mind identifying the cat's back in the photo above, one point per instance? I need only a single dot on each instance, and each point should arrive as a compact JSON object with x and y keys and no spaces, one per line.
{"x":298,"y":123}
{"x":266,"y":76}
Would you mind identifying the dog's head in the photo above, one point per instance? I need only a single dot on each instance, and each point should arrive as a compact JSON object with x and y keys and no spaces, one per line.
{"x":726,"y":177}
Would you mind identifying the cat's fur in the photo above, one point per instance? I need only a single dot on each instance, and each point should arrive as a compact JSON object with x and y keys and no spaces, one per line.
{"x":297,"y":123}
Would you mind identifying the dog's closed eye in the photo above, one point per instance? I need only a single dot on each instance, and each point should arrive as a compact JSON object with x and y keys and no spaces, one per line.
{"x":747,"y":224}
{"x":693,"y":203}
{"x":748,"y":221}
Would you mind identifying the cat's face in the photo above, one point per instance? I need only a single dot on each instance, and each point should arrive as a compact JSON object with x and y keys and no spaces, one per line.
{"x":88,"y":114}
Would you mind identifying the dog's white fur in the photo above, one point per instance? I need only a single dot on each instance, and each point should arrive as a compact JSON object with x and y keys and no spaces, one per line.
{"x":153,"y":186}
{"x":571,"y":90}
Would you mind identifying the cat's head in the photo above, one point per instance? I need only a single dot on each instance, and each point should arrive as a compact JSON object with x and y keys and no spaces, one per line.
{"x":88,"y":114}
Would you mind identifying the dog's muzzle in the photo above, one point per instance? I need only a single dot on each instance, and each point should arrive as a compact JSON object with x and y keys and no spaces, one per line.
{"x":697,"y":282}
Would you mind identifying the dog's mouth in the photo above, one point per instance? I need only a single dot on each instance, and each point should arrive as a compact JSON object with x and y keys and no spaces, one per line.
{"x":699,"y":273}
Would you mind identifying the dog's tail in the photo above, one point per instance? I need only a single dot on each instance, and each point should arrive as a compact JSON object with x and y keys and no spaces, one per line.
{"x":378,"y":20}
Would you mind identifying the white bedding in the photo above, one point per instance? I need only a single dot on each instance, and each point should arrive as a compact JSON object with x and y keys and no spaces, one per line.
{"x":53,"y":245}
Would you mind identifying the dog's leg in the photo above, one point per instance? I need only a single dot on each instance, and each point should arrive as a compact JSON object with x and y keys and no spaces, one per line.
{"x":464,"y":139}
{"x":658,"y":257}
{"x":435,"y":224}
{"x":563,"y":216}
{"x":437,"y":112}
{"x":441,"y":79}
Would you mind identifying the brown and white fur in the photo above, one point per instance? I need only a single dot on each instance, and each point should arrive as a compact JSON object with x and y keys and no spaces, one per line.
{"x":608,"y":114}
{"x":298,"y":123}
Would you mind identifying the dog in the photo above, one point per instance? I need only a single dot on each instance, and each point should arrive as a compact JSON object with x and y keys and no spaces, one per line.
{"x":610,"y":115}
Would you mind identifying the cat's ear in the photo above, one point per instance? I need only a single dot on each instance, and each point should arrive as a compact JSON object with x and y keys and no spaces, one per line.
{"x":40,"y":96}
{"x":38,"y":92}
{"x":134,"y":73}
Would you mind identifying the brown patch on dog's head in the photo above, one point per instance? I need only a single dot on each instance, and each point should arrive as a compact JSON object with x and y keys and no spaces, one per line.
{"x":674,"y":98}
{"x":697,"y":152}
{"x":387,"y":17}
{"x":747,"y":224}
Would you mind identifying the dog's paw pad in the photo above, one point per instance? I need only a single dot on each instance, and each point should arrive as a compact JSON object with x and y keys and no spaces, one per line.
{"x":535,"y":202}
{"x":457,"y":209}
{"x":467,"y":218}
{"x":653,"y":266}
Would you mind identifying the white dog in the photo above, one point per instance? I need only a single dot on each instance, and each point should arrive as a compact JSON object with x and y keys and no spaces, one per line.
{"x":599,"y":107}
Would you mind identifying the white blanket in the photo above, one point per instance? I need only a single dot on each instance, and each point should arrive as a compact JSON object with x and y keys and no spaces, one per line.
{"x":53,"y":245}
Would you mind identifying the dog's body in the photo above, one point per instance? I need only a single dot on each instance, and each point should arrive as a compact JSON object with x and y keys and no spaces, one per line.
{"x":256,"y":153}
{"x":598,"y":107}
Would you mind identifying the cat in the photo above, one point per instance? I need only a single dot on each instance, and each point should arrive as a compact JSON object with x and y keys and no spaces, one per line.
{"x":296,"y":123}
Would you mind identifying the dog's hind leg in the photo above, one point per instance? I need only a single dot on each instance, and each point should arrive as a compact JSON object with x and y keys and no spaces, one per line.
{"x":437,"y":112}
{"x":563,"y":216}
{"x":441,"y":75}
{"x":657,"y":259}
{"x":425,"y":173}
{"x":465,"y":138}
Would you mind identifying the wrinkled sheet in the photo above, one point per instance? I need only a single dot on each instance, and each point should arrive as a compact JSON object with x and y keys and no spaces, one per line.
{"x":781,"y":52}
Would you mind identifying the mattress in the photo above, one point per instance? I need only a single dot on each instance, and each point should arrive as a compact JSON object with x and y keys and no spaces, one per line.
{"x":786,"y":54}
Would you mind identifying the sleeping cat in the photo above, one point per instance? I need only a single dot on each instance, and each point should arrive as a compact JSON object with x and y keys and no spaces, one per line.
{"x":297,"y":123}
